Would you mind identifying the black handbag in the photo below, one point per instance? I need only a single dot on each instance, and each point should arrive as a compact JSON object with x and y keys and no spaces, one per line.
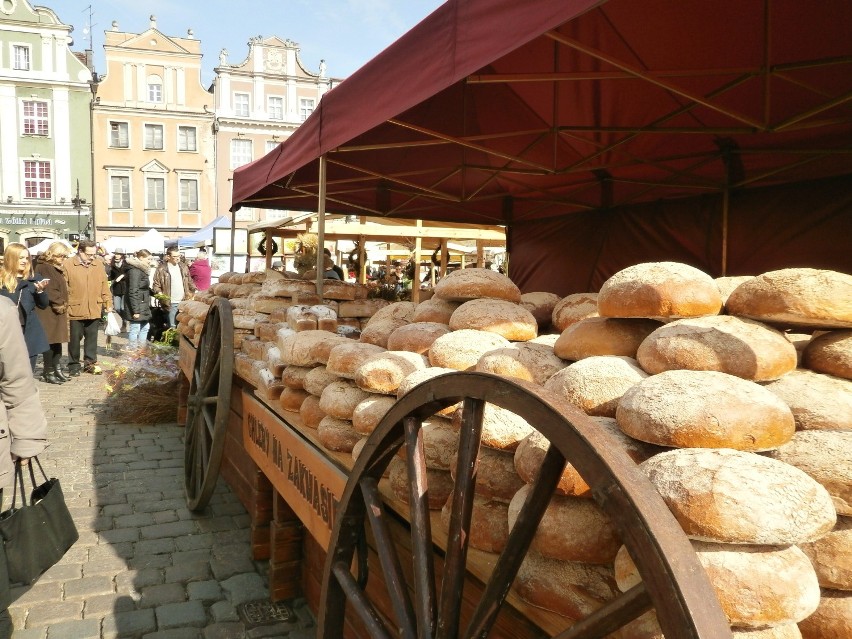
{"x":37,"y":534}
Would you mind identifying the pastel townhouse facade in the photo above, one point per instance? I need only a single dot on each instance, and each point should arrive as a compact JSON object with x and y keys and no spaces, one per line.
{"x":259,"y":102}
{"x":152,"y":129}
{"x":45,"y":139}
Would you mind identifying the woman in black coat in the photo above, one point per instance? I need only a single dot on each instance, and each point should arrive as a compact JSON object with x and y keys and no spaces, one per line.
{"x":137,"y":300}
{"x":54,"y":318}
{"x":18,"y":284}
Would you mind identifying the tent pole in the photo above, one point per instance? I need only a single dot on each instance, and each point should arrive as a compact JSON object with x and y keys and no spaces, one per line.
{"x":726,"y":199}
{"x":415,"y":281}
{"x":321,"y":223}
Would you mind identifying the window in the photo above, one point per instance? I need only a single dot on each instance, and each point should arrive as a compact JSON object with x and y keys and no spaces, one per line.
{"x":21,"y":57}
{"x":37,"y":182}
{"x":35,"y":118}
{"x":241,"y":104}
{"x":118,"y":135}
{"x":306,"y":107}
{"x":271,"y":146}
{"x":240,"y":153}
{"x":154,"y":136}
{"x":155,"y":88}
{"x":119,"y":196}
{"x":276,"y":108}
{"x":188,"y":194}
{"x":186,"y":138}
{"x":155,"y":193}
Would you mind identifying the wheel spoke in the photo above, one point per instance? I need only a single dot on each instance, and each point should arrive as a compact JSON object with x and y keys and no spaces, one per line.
{"x":209,"y":419}
{"x":362,"y":606}
{"x":614,"y":615}
{"x":424,"y":568}
{"x":460,"y":514}
{"x":212,"y":378}
{"x":393,"y":577}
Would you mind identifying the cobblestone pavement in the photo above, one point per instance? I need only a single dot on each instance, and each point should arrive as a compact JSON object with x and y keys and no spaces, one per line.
{"x":144,"y":566}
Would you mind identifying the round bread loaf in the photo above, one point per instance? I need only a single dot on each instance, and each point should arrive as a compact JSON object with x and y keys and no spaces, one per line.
{"x":530,"y":361}
{"x":440,"y":484}
{"x":659,"y":289}
{"x":596,"y":384}
{"x":721,"y":343}
{"x":501,"y":429}
{"x":830,"y":353}
{"x":294,"y":376}
{"x":727,"y":285}
{"x":440,"y":443}
{"x":358,"y":447}
{"x":603,"y":336}
{"x":310,"y":411}
{"x":571,"y":529}
{"x":434,"y":310}
{"x":340,"y":398}
{"x":546,"y":339}
{"x":337,"y":434}
{"x":510,"y":320}
{"x":379,"y":332}
{"x":317,"y":379}
{"x":573,"y":308}
{"x":460,"y":350}
{"x":305,"y":348}
{"x":704,"y":409}
{"x":384,"y":372}
{"x":825,"y":455}
{"x":742,"y":498}
{"x":398,"y":310}
{"x":831,"y":556}
{"x":495,"y":472}
{"x":420,"y":376}
{"x":416,"y":337}
{"x":322,"y":349}
{"x":345,"y":358}
{"x":291,"y":399}
{"x":568,"y":588}
{"x":369,"y":412}
{"x":489,"y":528}
{"x":796,"y":297}
{"x":757,"y":586}
{"x":832,"y":619}
{"x":799,"y":341}
{"x":818,"y":402}
{"x":784,"y":631}
{"x":471,"y":283}
{"x":541,"y":305}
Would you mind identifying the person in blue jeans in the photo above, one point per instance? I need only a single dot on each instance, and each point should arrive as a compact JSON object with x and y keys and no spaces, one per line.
{"x":173,"y":281}
{"x":137,"y":299}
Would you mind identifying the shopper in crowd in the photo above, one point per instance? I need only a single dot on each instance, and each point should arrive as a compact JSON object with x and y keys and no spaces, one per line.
{"x":334,"y":267}
{"x":137,"y":306}
{"x":278,"y":265}
{"x":88,"y":297}
{"x":54,"y":318}
{"x":21,"y":419}
{"x":116,"y":274}
{"x":200,"y":271}
{"x":172,"y":284}
{"x":26,"y":290}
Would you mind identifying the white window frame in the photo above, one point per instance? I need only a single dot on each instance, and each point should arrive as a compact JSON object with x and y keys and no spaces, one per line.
{"x":275,"y":112}
{"x":120,"y":124}
{"x":153,"y":127}
{"x":117,"y":199}
{"x":154,"y":87}
{"x":152,"y":201}
{"x":242,"y":158}
{"x":306,"y":107}
{"x":186,"y":203}
{"x":183,"y":139}
{"x":22,"y":57}
{"x":239,"y":111}
{"x":271,"y":145}
{"x":43,"y":185}
{"x":40,"y":123}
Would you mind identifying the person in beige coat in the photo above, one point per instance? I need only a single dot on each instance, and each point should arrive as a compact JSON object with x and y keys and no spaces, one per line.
{"x":88,"y":297}
{"x":23,"y":427}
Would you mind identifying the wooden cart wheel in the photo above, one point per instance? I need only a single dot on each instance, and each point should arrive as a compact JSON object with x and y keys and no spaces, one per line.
{"x":208,"y":405}
{"x":673,"y":581}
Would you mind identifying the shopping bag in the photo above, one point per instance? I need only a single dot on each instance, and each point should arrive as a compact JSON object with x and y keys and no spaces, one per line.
{"x":113,"y":324}
{"x":37,"y":534}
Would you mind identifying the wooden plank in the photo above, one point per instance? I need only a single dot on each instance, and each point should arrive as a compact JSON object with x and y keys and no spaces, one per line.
{"x":260,"y":541}
{"x":186,"y":357}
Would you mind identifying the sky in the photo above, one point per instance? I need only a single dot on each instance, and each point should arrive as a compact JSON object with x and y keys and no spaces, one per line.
{"x":344,"y":33}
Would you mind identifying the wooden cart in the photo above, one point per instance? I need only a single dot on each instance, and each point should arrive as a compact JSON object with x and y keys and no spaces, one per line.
{"x":388,"y":569}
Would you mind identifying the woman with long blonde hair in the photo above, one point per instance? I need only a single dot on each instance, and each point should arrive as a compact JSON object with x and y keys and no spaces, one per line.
{"x":26,"y":291}
{"x":54,"y":318}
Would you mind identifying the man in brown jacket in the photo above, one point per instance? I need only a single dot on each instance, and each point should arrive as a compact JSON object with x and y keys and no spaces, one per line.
{"x":172,"y":279}
{"x":88,"y":296}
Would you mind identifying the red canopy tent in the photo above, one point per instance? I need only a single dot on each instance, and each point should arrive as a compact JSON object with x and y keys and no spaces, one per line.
{"x":600,"y":133}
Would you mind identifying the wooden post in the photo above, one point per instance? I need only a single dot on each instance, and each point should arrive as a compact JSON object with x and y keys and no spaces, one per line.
{"x":415,"y":281}
{"x":362,"y":260}
{"x":445,"y":257}
{"x":321,"y":224}
{"x":480,"y":255}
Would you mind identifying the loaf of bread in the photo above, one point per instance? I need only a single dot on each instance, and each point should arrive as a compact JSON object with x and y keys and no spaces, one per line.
{"x":737,"y":497}
{"x":386,"y":321}
{"x":416,"y":337}
{"x":361,"y":308}
{"x":439,"y":483}
{"x":596,"y":384}
{"x":728,"y":284}
{"x":825,"y":455}
{"x":796,"y":297}
{"x":571,"y":529}
{"x":369,"y":412}
{"x":704,"y":409}
{"x":507,"y":319}
{"x":784,"y":631}
{"x":723,"y":343}
{"x":529,"y":361}
{"x":461,"y":350}
{"x":489,"y":528}
{"x":317,"y":379}
{"x":541,"y":305}
{"x":757,"y":586}
{"x":345,"y":358}
{"x":420,"y":376}
{"x":310,"y":412}
{"x":337,"y":434}
{"x":291,"y":399}
{"x":495,"y":471}
{"x":831,"y":556}
{"x":340,"y":398}
{"x":471,"y":283}
{"x":573,"y":308}
{"x":818,"y":402}
{"x":384,"y":372}
{"x":501,"y":429}
{"x":830,"y":353}
{"x":269,"y":387}
{"x":294,"y":376}
{"x":603,"y":336}
{"x":832,"y":619}
{"x":307,"y":348}
{"x":659,"y":289}
{"x":435,"y":310}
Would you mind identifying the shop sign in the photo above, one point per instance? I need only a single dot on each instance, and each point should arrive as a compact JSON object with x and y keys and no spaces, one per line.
{"x":8,"y":218}
{"x":310,"y":484}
